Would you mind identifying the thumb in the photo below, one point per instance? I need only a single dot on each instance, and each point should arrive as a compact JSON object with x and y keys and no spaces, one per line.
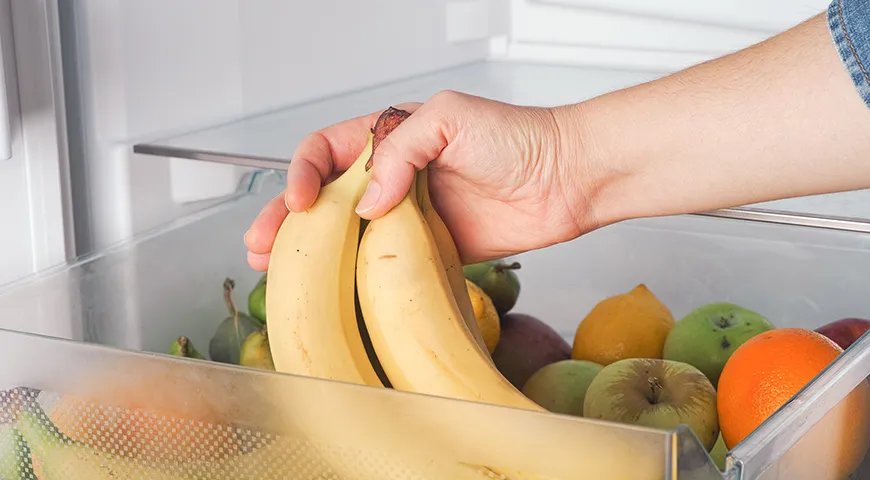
{"x":410,"y":146}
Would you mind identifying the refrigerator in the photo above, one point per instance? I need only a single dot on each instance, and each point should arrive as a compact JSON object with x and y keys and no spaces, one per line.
{"x":140,"y":138}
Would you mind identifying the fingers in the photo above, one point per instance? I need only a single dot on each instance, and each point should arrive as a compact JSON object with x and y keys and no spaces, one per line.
{"x":324,"y":154}
{"x":303,"y":184}
{"x":410,"y":147}
{"x":261,"y":235}
{"x":259,"y":263}
{"x":317,"y":156}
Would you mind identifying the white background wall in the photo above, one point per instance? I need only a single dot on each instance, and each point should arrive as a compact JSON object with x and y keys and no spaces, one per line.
{"x":662,"y":36}
{"x":141,"y":73}
{"x":138,"y":73}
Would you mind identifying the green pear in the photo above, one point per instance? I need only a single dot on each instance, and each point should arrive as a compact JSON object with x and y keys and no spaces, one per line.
{"x":655,"y":393}
{"x":498,"y":280}
{"x":255,"y":352}
{"x":183,"y":347}
{"x":707,"y":336}
{"x":226,"y":344}
{"x":257,"y":301}
{"x":561,"y":387}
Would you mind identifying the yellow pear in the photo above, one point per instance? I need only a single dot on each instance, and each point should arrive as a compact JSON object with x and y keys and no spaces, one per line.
{"x":486,"y":315}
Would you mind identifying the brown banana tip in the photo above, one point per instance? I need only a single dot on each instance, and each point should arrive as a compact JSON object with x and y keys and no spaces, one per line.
{"x":387,"y":122}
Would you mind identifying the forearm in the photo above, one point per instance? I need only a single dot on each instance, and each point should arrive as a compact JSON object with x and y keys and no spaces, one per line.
{"x":776,"y":120}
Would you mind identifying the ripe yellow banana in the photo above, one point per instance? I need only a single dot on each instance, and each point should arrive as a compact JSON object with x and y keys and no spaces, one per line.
{"x":416,"y":326}
{"x":310,"y":300}
{"x":314,"y":332}
{"x":449,"y":257}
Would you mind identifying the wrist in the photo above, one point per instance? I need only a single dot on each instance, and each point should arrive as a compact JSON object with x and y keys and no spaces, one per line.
{"x":586,"y":168}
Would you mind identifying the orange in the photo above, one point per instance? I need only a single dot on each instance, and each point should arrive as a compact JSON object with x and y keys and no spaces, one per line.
{"x":766,"y":372}
{"x":634,"y":324}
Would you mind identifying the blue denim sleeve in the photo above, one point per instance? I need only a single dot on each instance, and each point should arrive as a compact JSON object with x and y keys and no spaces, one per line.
{"x":849,"y":24}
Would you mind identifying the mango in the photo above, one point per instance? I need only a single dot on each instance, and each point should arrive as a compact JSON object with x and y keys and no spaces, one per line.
{"x":525,"y":346}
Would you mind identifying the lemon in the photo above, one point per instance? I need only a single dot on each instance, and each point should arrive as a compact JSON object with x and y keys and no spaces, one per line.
{"x":634,"y":324}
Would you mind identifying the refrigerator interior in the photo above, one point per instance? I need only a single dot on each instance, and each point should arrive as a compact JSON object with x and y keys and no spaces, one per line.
{"x":135,"y":76}
{"x":140,"y":295}
{"x":180,"y":126}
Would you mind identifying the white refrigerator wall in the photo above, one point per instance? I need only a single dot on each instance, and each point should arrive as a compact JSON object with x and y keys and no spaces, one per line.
{"x":136,"y":72}
{"x":659,"y":36}
{"x":34,"y":199}
{"x":139,"y":72}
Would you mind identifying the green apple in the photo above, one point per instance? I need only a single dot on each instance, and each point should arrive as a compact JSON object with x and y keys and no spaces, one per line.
{"x":561,"y":387}
{"x":655,"y":393}
{"x":707,"y":336}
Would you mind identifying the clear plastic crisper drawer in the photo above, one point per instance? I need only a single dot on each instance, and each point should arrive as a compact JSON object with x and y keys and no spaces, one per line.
{"x":88,"y":389}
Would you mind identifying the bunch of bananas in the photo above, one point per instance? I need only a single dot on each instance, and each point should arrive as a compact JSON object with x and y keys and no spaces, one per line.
{"x":384,"y":306}
{"x":412,"y":296}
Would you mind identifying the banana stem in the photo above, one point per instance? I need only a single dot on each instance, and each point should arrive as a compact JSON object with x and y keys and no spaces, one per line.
{"x":387,"y":122}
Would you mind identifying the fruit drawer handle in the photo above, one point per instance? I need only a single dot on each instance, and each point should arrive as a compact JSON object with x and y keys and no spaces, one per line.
{"x":5,"y":127}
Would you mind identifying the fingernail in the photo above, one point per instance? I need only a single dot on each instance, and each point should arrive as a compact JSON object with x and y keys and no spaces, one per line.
{"x":287,"y":201}
{"x":369,"y":198}
{"x":246,"y":237}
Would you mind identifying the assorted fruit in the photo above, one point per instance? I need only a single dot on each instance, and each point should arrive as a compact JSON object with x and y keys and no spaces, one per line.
{"x":240,"y":338}
{"x":388,"y":304}
{"x":721,"y":370}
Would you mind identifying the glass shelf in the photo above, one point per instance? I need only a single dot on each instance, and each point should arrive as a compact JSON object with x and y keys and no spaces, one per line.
{"x":267,"y":141}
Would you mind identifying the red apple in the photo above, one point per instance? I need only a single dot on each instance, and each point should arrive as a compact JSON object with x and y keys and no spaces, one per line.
{"x":846,"y":331}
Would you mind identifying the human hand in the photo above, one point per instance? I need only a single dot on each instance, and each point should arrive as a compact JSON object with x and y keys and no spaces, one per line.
{"x":501,"y":177}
